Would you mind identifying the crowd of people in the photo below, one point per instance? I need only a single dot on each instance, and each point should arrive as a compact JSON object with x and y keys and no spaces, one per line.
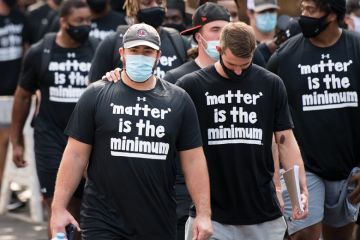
{"x":153,"y":123}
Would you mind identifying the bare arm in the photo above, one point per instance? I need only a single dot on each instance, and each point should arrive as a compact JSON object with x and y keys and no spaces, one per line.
{"x":197,"y":181}
{"x":20,"y":112}
{"x":289,"y":155}
{"x":276,"y":177}
{"x":73,"y":164}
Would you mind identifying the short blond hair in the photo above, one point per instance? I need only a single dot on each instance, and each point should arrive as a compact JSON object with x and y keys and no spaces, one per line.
{"x":239,"y":38}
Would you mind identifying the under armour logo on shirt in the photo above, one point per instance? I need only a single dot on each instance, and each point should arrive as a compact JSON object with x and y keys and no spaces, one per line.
{"x":71,"y":55}
{"x":141,"y":99}
{"x":323,"y":56}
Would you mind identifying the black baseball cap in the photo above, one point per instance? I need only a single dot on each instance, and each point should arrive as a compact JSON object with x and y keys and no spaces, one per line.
{"x":206,"y":13}
{"x":141,"y":34}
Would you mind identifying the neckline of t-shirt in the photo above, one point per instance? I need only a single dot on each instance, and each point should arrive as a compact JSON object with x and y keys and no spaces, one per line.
{"x":220,"y":78}
{"x":121,"y":82}
{"x":68,"y":49}
{"x":329,"y":47}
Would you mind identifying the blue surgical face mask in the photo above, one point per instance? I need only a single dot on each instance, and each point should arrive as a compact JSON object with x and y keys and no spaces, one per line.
{"x":139,"y":68}
{"x":211,"y":49}
{"x":266,"y":22}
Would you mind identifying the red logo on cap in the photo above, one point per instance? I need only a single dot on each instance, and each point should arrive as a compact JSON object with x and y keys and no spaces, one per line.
{"x":142,"y":33}
{"x":203,"y":19}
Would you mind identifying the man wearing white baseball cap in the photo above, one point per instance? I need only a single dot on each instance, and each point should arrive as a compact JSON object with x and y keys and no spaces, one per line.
{"x":263,"y":18}
{"x":128,"y":133}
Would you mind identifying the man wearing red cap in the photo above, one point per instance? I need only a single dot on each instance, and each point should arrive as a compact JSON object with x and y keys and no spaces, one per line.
{"x":320,"y":69}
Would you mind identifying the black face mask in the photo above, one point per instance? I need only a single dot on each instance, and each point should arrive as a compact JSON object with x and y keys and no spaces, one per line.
{"x":153,"y":16}
{"x":179,"y":27}
{"x":98,"y":6}
{"x":231,"y":74}
{"x":10,"y":3}
{"x":79,"y":33}
{"x":311,"y":27}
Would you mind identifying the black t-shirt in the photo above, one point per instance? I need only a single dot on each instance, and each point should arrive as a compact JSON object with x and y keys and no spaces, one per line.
{"x":172,"y":76}
{"x":104,"y":57}
{"x":191,"y":66}
{"x":175,"y":74}
{"x":237,"y":121}
{"x":61,"y":86}
{"x":258,"y":58}
{"x":14,"y":33}
{"x":263,"y":53}
{"x":37,"y":18}
{"x":101,"y":27}
{"x":134,"y":137}
{"x":51,"y":24}
{"x":323,"y":88}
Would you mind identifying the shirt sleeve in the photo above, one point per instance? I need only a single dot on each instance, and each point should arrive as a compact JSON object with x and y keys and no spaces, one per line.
{"x":181,"y":82}
{"x":189,"y":135}
{"x":81,"y":125}
{"x":103,"y":58}
{"x":283,"y":120}
{"x":169,"y":77}
{"x":29,"y":75}
{"x":26,"y":32}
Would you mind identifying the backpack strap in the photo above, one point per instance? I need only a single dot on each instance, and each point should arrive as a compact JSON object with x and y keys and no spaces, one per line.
{"x":177,"y":41}
{"x":120,"y":31}
{"x":48,"y":43}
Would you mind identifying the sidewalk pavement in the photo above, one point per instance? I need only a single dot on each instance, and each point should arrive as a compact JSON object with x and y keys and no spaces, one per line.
{"x":16,"y":226}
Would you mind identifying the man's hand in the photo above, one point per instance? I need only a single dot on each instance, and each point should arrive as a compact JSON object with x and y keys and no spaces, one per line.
{"x":112,"y":76}
{"x":59,"y":220}
{"x":202,"y":228}
{"x":297,"y":213}
{"x":354,"y":196}
{"x":18,"y":156}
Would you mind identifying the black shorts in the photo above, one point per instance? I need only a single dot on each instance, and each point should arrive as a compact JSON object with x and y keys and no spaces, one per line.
{"x":100,"y":219}
{"x":49,"y":148}
{"x":183,"y":203}
{"x":47,"y":184}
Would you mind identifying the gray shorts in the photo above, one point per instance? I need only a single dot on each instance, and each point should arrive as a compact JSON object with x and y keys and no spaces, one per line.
{"x":325,"y":204}
{"x":271,"y":230}
{"x":6,"y":103}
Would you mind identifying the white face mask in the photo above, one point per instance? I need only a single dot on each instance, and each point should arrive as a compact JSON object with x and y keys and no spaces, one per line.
{"x":356,"y":21}
{"x":211,"y":50}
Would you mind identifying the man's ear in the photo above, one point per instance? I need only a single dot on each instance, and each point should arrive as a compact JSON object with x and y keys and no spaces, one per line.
{"x":158,"y":57}
{"x":332,"y":17}
{"x":198,"y":37}
{"x":121,"y":53}
{"x":63,"y":23}
{"x":218,"y":48}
